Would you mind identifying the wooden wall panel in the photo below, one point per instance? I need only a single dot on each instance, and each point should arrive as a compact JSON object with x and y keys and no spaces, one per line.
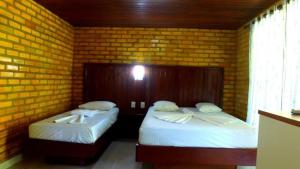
{"x":161,"y":84}
{"x":108,"y":82}
{"x":191,"y":80}
{"x":136,"y":93}
{"x":213,"y":81}
{"x":184,"y":85}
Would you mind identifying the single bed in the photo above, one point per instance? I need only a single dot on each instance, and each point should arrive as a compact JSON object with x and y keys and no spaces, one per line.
{"x":196,"y":142}
{"x":77,"y":143}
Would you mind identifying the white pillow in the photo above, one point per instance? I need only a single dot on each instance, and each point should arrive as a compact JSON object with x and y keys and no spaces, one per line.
{"x":208,"y":107}
{"x":165,"y":106}
{"x":98,"y":105}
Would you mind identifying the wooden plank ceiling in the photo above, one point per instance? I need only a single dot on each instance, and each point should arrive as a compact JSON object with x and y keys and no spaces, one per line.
{"x":220,"y":14}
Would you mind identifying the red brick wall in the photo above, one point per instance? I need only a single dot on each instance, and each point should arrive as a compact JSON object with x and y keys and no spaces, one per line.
{"x":36,"y":53}
{"x":242,"y":73}
{"x":173,"y":46}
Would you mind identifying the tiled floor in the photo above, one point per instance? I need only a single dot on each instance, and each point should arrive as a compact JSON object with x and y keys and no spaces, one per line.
{"x":119,"y":155}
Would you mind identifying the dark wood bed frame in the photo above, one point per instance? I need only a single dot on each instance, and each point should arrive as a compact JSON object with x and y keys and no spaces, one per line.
{"x":168,"y":155}
{"x":197,"y":84}
{"x":71,"y":153}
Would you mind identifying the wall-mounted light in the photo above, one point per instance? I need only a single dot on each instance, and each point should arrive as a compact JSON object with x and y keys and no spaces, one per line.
{"x":138,"y":72}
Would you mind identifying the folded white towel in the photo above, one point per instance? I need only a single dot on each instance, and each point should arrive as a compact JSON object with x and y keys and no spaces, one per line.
{"x":187,"y":111}
{"x":73,"y":120}
{"x":185,"y":119}
{"x":174,"y":117}
{"x":186,"y":114}
{"x":215,"y":119}
{"x":65,"y":119}
{"x":79,"y":119}
{"x":85,"y":112}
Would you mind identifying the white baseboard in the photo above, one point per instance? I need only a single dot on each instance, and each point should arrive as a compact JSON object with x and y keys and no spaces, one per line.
{"x":12,"y":161}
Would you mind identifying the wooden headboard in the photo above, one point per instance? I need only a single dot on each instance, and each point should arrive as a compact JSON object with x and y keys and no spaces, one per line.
{"x":184,"y":85}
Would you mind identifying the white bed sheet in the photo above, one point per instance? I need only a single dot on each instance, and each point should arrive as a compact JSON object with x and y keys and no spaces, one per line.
{"x":87,"y":132}
{"x":197,"y":133}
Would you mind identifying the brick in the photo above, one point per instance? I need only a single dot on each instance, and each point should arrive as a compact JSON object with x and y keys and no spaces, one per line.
{"x":6,"y":74}
{"x":5,"y":118}
{"x":6,"y":44}
{"x":20,"y":6}
{"x":3,"y":4}
{"x":19,"y":47}
{"x":12,"y":67}
{"x":3,"y":81}
{"x":6,"y":28}
{"x":18,"y":61}
{"x":19,"y":75}
{"x":9,"y":1}
{"x":13,"y":38}
{"x":14,"y":24}
{"x":14,"y":10}
{"x":31,"y":12}
{"x":12,"y":53}
{"x":5,"y":59}
{"x":19,"y":33}
{"x":3,"y":96}
{"x":3,"y":20}
{"x":26,"y":16}
{"x":2,"y":35}
{"x":25,"y":82}
{"x":4,"y":89}
{"x":18,"y":115}
{"x":19,"y":19}
{"x":12,"y":95}
{"x":6,"y":13}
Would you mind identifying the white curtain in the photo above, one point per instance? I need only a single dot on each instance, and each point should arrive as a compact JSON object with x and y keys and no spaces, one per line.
{"x":275,"y":62}
{"x":291,"y":92}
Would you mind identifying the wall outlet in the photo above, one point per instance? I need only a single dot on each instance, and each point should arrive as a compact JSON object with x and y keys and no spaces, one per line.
{"x":142,"y":105}
{"x":132,"y":104}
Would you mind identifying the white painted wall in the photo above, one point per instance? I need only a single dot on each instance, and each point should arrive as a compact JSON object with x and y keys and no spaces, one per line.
{"x":278,"y":145}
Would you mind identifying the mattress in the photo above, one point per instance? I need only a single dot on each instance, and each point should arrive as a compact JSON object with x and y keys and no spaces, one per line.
{"x":87,"y":132}
{"x":197,"y":132}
